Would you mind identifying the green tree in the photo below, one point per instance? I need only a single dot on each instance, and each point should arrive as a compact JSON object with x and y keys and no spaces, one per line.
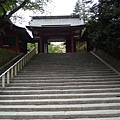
{"x":9,"y":7}
{"x":80,"y":46}
{"x":104,"y":26}
{"x":55,"y":48}
{"x":82,"y":8}
{"x":76,"y":10}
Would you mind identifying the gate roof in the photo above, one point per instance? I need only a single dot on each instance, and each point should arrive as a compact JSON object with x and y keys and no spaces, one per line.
{"x":56,"y":26}
{"x":53,"y":21}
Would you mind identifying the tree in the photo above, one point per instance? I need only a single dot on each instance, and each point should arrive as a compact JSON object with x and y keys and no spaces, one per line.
{"x":76,"y":10}
{"x":82,"y":8}
{"x":9,"y":7}
{"x":104,"y":27}
{"x":56,"y":48}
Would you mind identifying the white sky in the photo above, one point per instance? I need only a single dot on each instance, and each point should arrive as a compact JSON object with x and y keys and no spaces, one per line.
{"x":63,"y":7}
{"x":57,"y":7}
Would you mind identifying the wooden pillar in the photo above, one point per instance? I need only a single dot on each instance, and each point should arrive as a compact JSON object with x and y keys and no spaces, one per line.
{"x":72,"y":43}
{"x":40,"y":45}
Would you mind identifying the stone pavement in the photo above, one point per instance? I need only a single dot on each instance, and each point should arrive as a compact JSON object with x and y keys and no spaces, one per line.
{"x":62,"y":86}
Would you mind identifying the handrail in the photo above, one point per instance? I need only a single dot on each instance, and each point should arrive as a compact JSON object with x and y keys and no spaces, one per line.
{"x":12,"y":71}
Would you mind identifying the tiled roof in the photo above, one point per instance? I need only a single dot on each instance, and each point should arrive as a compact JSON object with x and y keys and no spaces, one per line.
{"x":56,"y":21}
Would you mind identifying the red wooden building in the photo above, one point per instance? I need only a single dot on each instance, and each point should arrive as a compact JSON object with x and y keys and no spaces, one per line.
{"x":14,"y":38}
{"x":47,"y":29}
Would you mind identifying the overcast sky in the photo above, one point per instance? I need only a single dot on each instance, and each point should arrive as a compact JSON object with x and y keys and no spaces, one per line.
{"x":57,"y":7}
{"x":63,"y":7}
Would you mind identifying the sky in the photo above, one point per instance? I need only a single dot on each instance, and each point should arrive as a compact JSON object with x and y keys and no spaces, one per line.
{"x":57,"y":7}
{"x":63,"y":7}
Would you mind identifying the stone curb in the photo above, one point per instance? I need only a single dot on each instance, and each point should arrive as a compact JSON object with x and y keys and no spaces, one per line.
{"x":105,"y":63}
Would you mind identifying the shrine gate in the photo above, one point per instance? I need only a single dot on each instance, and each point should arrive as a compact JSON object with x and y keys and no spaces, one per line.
{"x":46,"y":29}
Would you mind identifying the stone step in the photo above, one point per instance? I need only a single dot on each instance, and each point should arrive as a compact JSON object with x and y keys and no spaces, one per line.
{"x":60,"y":87}
{"x":106,"y":118}
{"x":57,"y":91}
{"x":38,"y":79}
{"x":71,"y":107}
{"x":68,"y":73}
{"x":60,"y":96}
{"x":60,"y":114}
{"x":61,"y":83}
{"x":68,"y":77}
{"x":77,"y":70}
{"x":64,"y":84}
{"x":67,"y":81}
{"x":60,"y":101}
{"x":66,"y":68}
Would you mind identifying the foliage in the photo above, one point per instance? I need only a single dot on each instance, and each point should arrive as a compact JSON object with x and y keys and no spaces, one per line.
{"x":56,"y":48}
{"x":104,"y":26}
{"x":76,"y":9}
{"x":30,"y":46}
{"x":9,"y":7}
{"x":80,"y":46}
{"x":82,"y":8}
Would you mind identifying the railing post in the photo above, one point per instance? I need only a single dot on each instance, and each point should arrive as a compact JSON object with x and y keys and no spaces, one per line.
{"x":16,"y":67}
{"x":8,"y":77}
{"x":25,"y":60}
{"x":3,"y":81}
{"x":11,"y":72}
{"x":21,"y":65}
{"x":15,"y":70}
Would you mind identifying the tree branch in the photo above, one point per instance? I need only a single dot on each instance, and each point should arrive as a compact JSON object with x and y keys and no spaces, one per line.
{"x":16,"y":9}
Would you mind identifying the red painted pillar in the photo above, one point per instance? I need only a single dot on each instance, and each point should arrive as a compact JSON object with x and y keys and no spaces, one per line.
{"x":72,"y":43}
{"x":41,"y":45}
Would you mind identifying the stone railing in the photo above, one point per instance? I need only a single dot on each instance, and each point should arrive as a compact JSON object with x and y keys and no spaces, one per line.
{"x":14,"y":69}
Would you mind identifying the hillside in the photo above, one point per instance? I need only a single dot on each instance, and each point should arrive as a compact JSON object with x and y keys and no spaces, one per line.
{"x":6,"y":56}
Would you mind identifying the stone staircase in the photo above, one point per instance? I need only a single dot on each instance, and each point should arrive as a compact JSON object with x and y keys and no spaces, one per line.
{"x":62,"y":86}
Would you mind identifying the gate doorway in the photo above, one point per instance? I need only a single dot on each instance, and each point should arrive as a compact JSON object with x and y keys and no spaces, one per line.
{"x":57,"y":47}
